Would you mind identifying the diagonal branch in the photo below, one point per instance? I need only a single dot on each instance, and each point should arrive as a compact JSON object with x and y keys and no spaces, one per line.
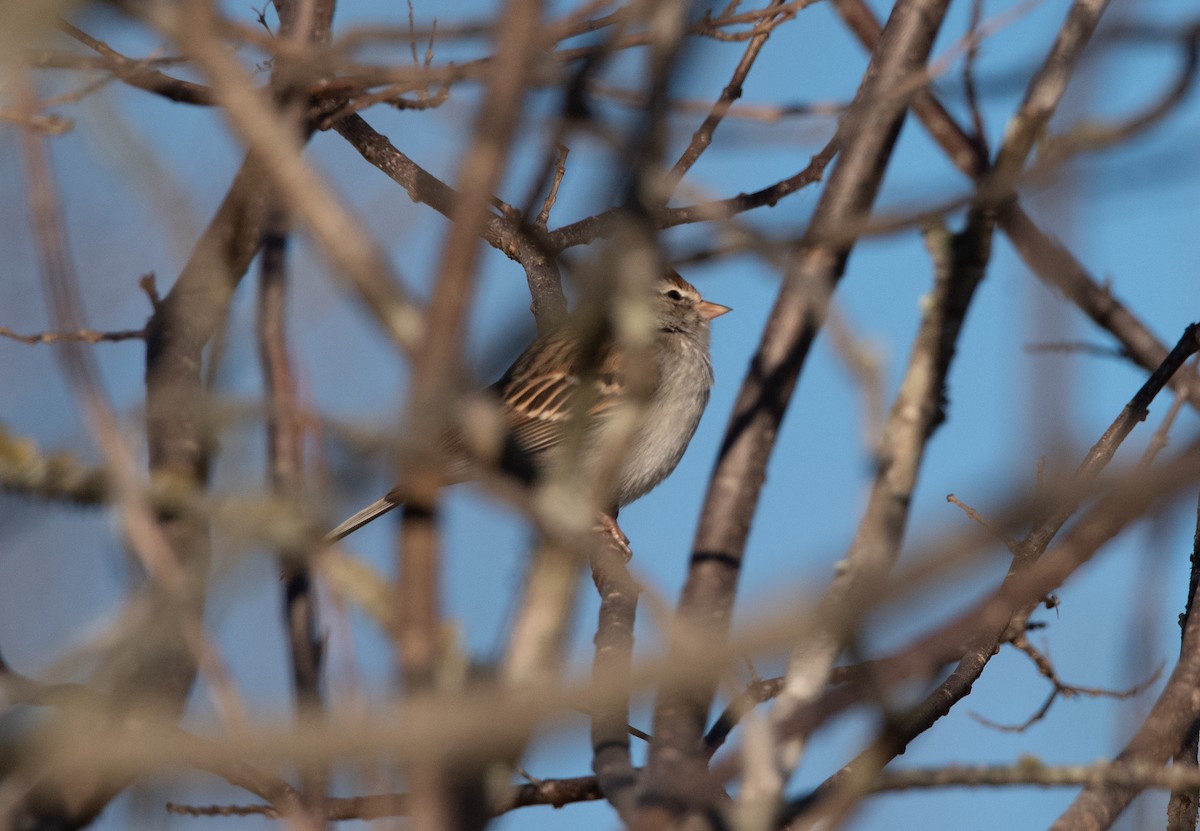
{"x":1161,"y":735}
{"x":141,"y":76}
{"x":525,"y":244}
{"x":702,"y":138}
{"x":1022,"y":590}
{"x":867,"y":135}
{"x":277,"y":148}
{"x":960,"y":261}
{"x":1049,"y":259}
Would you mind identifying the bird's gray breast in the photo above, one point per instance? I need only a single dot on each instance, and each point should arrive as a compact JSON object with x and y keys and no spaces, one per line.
{"x":668,"y":420}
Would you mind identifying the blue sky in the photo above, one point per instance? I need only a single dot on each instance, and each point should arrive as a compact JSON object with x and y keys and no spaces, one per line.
{"x":141,"y":176}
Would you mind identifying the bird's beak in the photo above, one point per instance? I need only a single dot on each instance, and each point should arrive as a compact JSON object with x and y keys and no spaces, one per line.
{"x":711,"y":310}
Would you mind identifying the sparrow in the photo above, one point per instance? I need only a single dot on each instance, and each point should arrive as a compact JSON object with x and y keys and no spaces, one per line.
{"x":538,"y":397}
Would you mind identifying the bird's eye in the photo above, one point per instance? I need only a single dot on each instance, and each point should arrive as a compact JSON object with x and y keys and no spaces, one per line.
{"x":674,"y":294}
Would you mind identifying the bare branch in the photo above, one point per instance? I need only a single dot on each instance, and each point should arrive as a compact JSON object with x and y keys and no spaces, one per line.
{"x":702,"y":138}
{"x":1183,"y":808}
{"x":959,"y":261}
{"x":85,"y":335}
{"x":866,"y":135}
{"x":277,"y":148}
{"x":611,"y":761}
{"x":140,"y":74}
{"x":1171,"y":720}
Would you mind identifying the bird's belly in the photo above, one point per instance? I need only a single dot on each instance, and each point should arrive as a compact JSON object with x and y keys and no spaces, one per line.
{"x":653,"y":452}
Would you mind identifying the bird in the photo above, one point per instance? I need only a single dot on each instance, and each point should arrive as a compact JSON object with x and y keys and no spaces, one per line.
{"x":538,"y":398}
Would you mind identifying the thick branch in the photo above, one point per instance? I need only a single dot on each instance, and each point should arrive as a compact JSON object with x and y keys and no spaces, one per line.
{"x":614,"y":651}
{"x":960,"y":261}
{"x":525,"y":244}
{"x":867,"y":135}
{"x":1014,"y":600}
{"x":1161,"y":735}
{"x":1049,"y":259}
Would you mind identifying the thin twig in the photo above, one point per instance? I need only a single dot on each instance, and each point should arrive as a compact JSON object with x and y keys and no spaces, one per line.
{"x":977,"y":517}
{"x":702,"y":138}
{"x":968,"y":76}
{"x":553,"y":792}
{"x":560,"y":170}
{"x":85,"y":335}
{"x":139,"y":74}
{"x":1060,"y":688}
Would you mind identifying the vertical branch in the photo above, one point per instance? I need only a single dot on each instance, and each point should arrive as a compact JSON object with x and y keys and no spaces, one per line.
{"x":610,"y":672}
{"x":868,"y":132}
{"x":436,"y":368}
{"x":1168,"y":727}
{"x":1182,"y":810}
{"x":437,"y":362}
{"x":285,"y":441}
{"x":1048,"y":259}
{"x":300,"y":21}
{"x":151,"y":669}
{"x":960,"y":262}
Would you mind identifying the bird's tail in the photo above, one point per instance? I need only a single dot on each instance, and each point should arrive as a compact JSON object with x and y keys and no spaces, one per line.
{"x":373,"y":511}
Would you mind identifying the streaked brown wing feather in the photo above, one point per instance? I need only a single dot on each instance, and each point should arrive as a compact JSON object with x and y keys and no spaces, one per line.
{"x":540,"y":402}
{"x":535,"y":435}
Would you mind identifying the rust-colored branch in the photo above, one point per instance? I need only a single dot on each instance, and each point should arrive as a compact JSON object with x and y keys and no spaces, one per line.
{"x":90,"y":336}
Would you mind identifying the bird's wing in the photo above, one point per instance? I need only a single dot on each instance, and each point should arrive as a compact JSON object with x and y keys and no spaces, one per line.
{"x":541,"y":389}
